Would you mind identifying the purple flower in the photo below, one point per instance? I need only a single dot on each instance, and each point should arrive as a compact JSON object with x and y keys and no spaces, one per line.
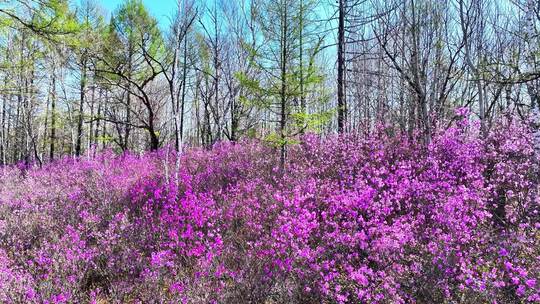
{"x":531,"y":283}
{"x":368,"y":218}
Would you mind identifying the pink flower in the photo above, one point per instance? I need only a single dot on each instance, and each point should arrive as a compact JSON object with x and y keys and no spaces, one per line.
{"x":531,"y":283}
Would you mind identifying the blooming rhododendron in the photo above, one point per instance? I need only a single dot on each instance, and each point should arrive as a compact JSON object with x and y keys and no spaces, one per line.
{"x":365,"y":219}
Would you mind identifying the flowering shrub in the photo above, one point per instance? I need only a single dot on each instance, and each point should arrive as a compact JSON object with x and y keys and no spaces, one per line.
{"x":368,"y":219}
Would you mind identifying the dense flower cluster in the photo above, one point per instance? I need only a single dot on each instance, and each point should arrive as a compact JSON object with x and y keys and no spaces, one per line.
{"x":367,"y":219}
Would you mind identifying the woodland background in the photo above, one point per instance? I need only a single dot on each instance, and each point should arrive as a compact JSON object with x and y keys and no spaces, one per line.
{"x":75,"y":77}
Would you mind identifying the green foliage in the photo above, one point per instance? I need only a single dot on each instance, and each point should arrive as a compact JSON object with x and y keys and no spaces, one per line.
{"x":105,"y":139}
{"x":312,"y":121}
{"x":132,"y":41}
{"x":89,"y":39}
{"x":288,"y":76}
{"x":134,"y":23}
{"x":55,"y":17}
{"x":256,"y":95}
{"x":274,"y":139}
{"x":6,"y":23}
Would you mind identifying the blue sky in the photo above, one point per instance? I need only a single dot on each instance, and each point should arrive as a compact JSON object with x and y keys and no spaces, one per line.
{"x":161,"y":9}
{"x":164,"y":9}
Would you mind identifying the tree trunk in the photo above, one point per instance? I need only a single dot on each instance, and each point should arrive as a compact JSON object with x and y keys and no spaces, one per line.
{"x":81,"y":109}
{"x":341,"y":68}
{"x":183,"y":99}
{"x":53,"y":114}
{"x":283,"y":93}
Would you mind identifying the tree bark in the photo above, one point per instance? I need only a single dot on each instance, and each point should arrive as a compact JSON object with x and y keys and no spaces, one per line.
{"x":81,"y":109}
{"x":341,"y":68}
{"x":53,"y":114}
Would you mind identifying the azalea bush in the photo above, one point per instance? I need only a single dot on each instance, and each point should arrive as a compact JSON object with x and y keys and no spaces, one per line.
{"x":378,"y":218}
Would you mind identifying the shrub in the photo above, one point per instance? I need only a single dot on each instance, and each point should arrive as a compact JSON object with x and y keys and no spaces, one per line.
{"x":372,"y":219}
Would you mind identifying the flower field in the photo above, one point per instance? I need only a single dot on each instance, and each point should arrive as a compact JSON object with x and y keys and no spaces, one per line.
{"x":378,"y":218}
